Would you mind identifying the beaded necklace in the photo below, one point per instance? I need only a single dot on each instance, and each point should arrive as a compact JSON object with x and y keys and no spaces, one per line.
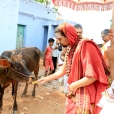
{"x":69,"y":55}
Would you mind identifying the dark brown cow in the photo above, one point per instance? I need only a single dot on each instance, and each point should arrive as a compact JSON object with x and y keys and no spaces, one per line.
{"x":31,"y":58}
{"x":11,"y":69}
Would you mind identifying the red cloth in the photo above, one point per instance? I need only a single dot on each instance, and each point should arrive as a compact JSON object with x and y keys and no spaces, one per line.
{"x":87,"y":61}
{"x":70,"y":32}
{"x":49,"y":63}
{"x":91,"y":66}
{"x":48,"y":59}
{"x":48,"y":53}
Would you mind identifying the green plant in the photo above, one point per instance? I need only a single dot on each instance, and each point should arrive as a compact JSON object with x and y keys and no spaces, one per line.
{"x":54,"y":9}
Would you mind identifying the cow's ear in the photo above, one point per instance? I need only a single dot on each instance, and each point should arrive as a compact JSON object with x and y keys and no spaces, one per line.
{"x":4,"y":63}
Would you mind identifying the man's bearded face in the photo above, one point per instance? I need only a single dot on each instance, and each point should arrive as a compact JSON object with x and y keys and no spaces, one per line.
{"x":61,"y":39}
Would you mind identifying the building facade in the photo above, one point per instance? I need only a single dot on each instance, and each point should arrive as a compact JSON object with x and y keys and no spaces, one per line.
{"x":24,"y":24}
{"x":8,"y":24}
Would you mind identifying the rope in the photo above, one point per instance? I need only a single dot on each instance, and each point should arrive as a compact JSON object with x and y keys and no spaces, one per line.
{"x":18,"y":72}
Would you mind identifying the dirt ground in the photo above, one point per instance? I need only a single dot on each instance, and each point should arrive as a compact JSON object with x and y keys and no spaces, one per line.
{"x":49,"y":98}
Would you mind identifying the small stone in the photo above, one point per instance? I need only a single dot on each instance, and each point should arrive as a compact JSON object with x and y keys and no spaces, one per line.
{"x":22,"y":113}
{"x":47,"y":93}
{"x":54,"y":87}
{"x":25,"y":108}
{"x":40,"y":97}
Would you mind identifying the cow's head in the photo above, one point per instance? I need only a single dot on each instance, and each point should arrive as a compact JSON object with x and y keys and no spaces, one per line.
{"x":17,"y":69}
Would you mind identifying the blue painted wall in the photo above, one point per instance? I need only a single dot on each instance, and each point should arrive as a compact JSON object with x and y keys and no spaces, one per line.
{"x":36,"y":19}
{"x":8,"y":24}
{"x":32,"y":15}
{"x":52,"y":24}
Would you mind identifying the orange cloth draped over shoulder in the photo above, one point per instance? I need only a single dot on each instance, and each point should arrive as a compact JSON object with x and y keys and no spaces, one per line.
{"x":88,"y":62}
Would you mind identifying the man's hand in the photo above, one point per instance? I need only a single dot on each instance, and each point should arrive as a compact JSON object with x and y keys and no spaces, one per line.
{"x":41,"y":81}
{"x":72,"y":88}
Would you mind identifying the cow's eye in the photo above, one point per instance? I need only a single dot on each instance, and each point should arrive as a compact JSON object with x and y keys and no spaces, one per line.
{"x":18,"y":66}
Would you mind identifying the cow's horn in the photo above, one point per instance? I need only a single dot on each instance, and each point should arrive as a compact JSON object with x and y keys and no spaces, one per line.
{"x":12,"y":55}
{"x":20,"y":55}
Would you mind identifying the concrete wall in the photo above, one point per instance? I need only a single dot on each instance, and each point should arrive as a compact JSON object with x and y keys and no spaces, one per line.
{"x":32,"y":15}
{"x":8,"y":24}
{"x":37,"y":9}
{"x":33,"y":31}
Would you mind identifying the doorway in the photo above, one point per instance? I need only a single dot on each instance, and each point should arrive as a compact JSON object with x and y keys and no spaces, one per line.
{"x":20,"y":36}
{"x":45,"y":38}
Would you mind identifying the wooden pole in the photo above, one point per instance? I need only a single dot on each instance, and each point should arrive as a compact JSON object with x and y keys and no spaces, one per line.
{"x":113,"y":16}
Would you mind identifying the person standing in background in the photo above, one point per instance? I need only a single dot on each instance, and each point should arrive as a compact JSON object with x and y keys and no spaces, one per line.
{"x":104,"y":35}
{"x":62,"y":57}
{"x":105,"y":45}
{"x":79,"y":30}
{"x":55,"y":55}
{"x":60,"y":63}
{"x":48,"y":58}
{"x":107,"y":100}
{"x":105,"y":38}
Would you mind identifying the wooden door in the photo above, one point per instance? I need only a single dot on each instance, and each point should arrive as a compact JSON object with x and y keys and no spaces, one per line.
{"x":20,"y":36}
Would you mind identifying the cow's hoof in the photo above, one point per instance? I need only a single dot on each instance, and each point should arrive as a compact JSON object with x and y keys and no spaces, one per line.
{"x":23,"y":94}
{"x":14,"y":112}
{"x":33,"y":94}
{"x":0,"y":110}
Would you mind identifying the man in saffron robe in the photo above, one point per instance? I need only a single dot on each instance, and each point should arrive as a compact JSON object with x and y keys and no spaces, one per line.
{"x":86,"y":71}
{"x":107,"y":100}
{"x":105,"y":38}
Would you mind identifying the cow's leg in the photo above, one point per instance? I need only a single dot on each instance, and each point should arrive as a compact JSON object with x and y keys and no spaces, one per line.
{"x":36,"y":74}
{"x":33,"y":92}
{"x":1,"y":97}
{"x":14,"y":94}
{"x":25,"y":90}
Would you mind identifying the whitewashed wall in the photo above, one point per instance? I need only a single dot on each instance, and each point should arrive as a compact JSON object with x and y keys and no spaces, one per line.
{"x":8,"y":24}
